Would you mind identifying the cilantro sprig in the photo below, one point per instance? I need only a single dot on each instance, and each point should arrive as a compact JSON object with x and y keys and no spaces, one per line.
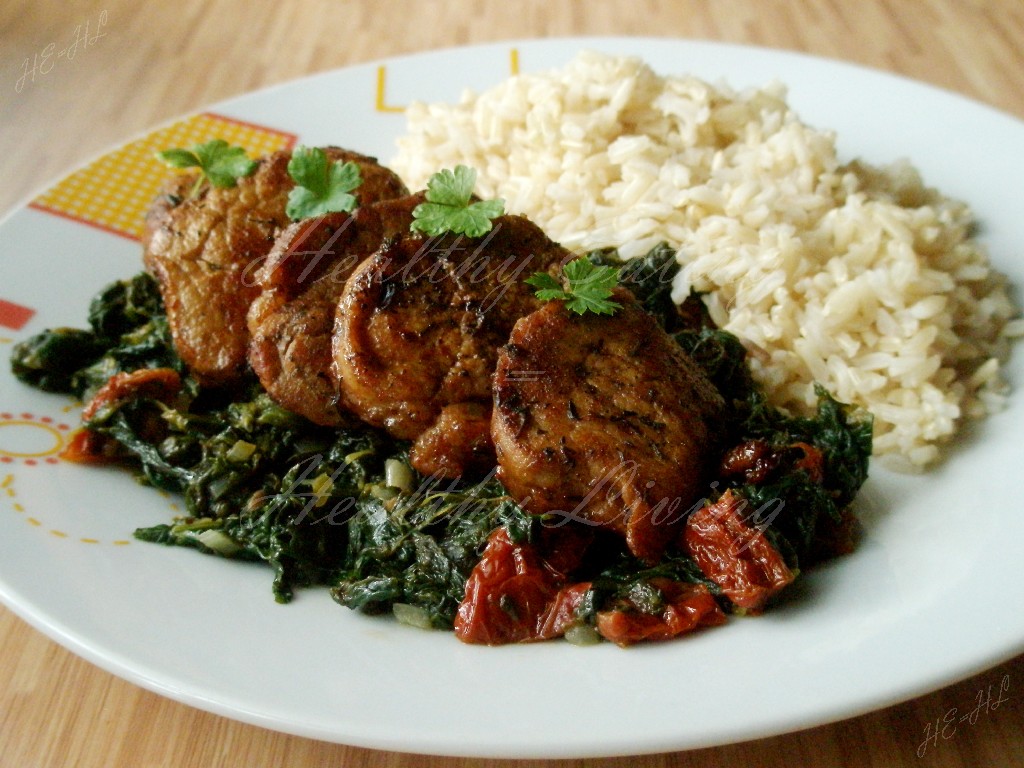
{"x":321,"y":186}
{"x":219,"y":163}
{"x":589,"y":287}
{"x":448,"y":207}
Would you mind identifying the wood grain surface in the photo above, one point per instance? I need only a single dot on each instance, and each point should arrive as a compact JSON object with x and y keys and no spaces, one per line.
{"x":160,"y":60}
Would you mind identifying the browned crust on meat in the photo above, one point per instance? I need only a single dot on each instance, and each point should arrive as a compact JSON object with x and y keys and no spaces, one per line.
{"x":203,"y":250}
{"x":603,"y":419}
{"x":291,"y":321}
{"x":419,"y":326}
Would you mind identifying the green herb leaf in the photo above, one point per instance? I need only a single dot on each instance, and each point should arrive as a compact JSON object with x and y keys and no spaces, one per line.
{"x":179,"y":158}
{"x":218,"y":162}
{"x":548,"y":289}
{"x":588,"y":291}
{"x":453,"y":188}
{"x":322,"y":186}
{"x":448,"y":207}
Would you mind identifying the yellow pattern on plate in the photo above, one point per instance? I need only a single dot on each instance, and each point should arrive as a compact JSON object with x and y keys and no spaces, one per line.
{"x":114,"y":192}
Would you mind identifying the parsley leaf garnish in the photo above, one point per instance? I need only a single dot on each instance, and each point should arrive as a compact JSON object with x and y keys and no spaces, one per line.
{"x":322,"y":186}
{"x":218,"y":162}
{"x":448,"y":207}
{"x":588,"y":291}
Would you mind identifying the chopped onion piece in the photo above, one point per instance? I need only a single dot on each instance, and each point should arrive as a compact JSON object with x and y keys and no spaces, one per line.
{"x":322,"y":486}
{"x":240,"y":451}
{"x":412,"y":615}
{"x":398,"y":475}
{"x":218,"y":541}
{"x":383,"y":492}
{"x":582,"y":634}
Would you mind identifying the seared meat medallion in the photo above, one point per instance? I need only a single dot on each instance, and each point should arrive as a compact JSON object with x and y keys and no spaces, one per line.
{"x":350,"y":317}
{"x":418,"y":332}
{"x":603,"y":419}
{"x":291,"y":322}
{"x":204,"y":250}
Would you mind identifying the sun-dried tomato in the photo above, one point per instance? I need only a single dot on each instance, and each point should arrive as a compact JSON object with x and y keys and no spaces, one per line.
{"x":687,"y":607}
{"x":153,"y":383}
{"x":88,"y":447}
{"x":514,"y":595}
{"x":735,"y":555}
{"x":563,"y":611}
{"x":563,"y":547}
{"x":753,"y":460}
{"x":812,"y":461}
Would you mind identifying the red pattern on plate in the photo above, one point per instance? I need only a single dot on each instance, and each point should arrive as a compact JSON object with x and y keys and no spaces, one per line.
{"x":14,"y":316}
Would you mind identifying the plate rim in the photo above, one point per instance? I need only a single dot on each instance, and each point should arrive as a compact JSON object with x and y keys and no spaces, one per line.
{"x":53,"y":628}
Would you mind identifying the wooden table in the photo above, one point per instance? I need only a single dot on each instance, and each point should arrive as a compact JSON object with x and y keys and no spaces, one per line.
{"x":159,"y":60}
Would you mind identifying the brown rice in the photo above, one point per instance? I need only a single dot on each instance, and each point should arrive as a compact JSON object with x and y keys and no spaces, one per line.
{"x":859,"y":278}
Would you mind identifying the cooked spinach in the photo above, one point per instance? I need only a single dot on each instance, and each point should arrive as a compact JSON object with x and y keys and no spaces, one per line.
{"x":420,"y":547}
{"x":724,"y":359}
{"x":274,"y":486}
{"x":841,"y":432}
{"x":51,"y":360}
{"x":649,"y":278}
{"x":128,"y":330}
{"x":843,"y":436}
{"x":260,"y":483}
{"x":295,"y":521}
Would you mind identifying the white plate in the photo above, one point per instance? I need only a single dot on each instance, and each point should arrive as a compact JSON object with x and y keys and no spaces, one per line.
{"x":932,"y":595}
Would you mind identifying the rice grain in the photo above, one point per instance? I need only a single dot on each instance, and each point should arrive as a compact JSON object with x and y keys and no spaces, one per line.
{"x":860,"y":278}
